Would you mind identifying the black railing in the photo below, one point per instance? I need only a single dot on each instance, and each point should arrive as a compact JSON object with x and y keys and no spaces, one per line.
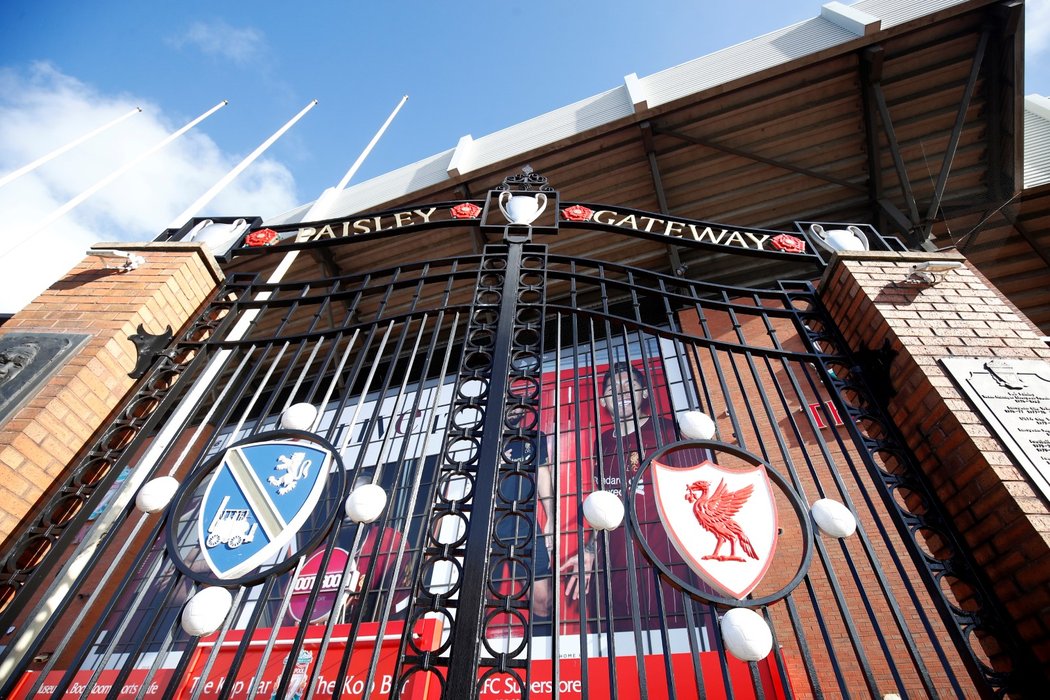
{"x":488,"y":396}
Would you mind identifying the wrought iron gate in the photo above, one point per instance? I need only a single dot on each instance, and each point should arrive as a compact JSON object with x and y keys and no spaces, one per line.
{"x":487,"y":396}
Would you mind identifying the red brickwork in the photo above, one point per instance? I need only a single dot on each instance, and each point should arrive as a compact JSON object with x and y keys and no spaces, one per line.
{"x":1003,"y":520}
{"x":45,"y":435}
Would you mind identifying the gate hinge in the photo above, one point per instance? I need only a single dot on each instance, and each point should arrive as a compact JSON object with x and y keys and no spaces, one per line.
{"x":149,"y":346}
{"x":875,"y":365}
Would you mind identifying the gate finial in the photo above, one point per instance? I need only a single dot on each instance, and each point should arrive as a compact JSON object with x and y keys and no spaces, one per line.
{"x":528,"y":180}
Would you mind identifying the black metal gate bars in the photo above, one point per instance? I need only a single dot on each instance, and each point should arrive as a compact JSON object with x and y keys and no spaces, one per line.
{"x":488,"y":396}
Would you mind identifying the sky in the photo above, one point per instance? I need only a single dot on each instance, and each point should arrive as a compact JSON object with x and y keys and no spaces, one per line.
{"x":470,"y":67}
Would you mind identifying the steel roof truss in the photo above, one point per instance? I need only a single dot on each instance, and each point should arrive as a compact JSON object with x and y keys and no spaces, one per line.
{"x":953,"y":142}
{"x":658,"y":187}
{"x":871,"y":60}
{"x":707,"y":143}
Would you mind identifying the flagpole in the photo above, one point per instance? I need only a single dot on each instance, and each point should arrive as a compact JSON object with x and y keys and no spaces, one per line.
{"x":323,"y":203}
{"x":12,"y":176}
{"x":371,"y":144}
{"x":79,"y":199}
{"x":192,"y":210}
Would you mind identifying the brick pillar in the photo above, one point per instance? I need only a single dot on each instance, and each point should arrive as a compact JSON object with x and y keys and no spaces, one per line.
{"x":1002,"y":518}
{"x":39,"y":440}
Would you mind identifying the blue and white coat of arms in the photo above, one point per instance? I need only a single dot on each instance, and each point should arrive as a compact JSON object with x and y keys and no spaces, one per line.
{"x":257,"y":499}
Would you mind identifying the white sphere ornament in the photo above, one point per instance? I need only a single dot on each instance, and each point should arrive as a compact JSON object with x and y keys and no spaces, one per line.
{"x":299,"y":416}
{"x":746,"y":635}
{"x":833,"y":518}
{"x":603,"y":510}
{"x":366,"y":503}
{"x":156,"y":494}
{"x":206,"y":610}
{"x":696,"y":425}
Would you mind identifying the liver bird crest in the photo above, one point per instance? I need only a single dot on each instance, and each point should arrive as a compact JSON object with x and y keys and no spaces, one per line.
{"x":715,"y":514}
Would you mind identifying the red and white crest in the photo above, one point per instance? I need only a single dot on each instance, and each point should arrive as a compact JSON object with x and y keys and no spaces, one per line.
{"x":722,"y":521}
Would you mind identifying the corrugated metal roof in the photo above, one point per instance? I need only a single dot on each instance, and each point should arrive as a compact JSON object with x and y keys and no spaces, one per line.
{"x":749,"y":58}
{"x":894,"y":12}
{"x":1036,"y":140}
{"x":549,"y":128}
{"x":756,"y":55}
{"x":785,"y":144}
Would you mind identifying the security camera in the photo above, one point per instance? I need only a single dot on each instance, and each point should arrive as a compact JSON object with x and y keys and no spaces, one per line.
{"x":936,"y":266}
{"x":131,"y":261}
{"x":926,"y":272}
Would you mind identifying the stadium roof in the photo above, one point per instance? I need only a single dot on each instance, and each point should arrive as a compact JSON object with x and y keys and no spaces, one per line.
{"x":905,"y":115}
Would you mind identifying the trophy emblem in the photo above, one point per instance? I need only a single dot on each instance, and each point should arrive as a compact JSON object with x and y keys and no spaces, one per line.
{"x":522,"y":209}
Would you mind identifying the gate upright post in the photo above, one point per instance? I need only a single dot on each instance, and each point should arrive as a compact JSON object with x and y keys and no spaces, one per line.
{"x":463,"y":667}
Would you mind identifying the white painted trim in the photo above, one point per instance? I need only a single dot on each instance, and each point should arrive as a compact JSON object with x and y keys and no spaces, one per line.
{"x":1038,"y":105}
{"x":461,"y":157}
{"x":636,"y":92}
{"x":850,"y":18}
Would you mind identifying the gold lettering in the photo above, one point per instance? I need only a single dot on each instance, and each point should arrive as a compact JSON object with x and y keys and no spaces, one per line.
{"x":426,"y":215}
{"x":346,"y":229}
{"x":361,"y":226}
{"x":735,"y":236}
{"x":759,"y":240}
{"x":305,"y":234}
{"x":326,"y":232}
{"x":652,"y":222}
{"x":672,"y":231}
{"x":397,"y":219}
{"x":602,"y":214}
{"x":624,"y":220}
{"x":709,"y":235}
{"x":379,"y":224}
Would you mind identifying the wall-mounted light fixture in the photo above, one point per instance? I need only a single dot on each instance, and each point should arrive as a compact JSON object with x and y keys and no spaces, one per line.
{"x":928,"y":272}
{"x":131,"y":261}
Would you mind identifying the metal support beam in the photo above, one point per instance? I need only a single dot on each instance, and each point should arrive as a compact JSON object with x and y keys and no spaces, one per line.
{"x":1018,"y":225}
{"x":327,"y":261}
{"x":658,"y":186}
{"x":994,"y":136}
{"x":886,"y":212}
{"x":871,"y":60}
{"x":713,"y":145}
{"x":999,"y":77}
{"x":953,"y":141}
{"x":895,"y":151}
{"x":895,"y":216}
{"x":478,"y":240}
{"x":332,"y":268}
{"x":970,"y":237}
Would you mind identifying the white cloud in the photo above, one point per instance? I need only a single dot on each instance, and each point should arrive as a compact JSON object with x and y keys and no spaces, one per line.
{"x":1037,"y":28}
{"x":240,"y":45}
{"x":40,"y":110}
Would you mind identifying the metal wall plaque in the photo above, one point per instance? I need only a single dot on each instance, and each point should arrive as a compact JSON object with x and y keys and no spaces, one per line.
{"x":1013,"y":397}
{"x":27,"y":360}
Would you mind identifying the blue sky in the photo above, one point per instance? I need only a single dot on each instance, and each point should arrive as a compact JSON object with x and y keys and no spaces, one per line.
{"x":469,"y":68}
